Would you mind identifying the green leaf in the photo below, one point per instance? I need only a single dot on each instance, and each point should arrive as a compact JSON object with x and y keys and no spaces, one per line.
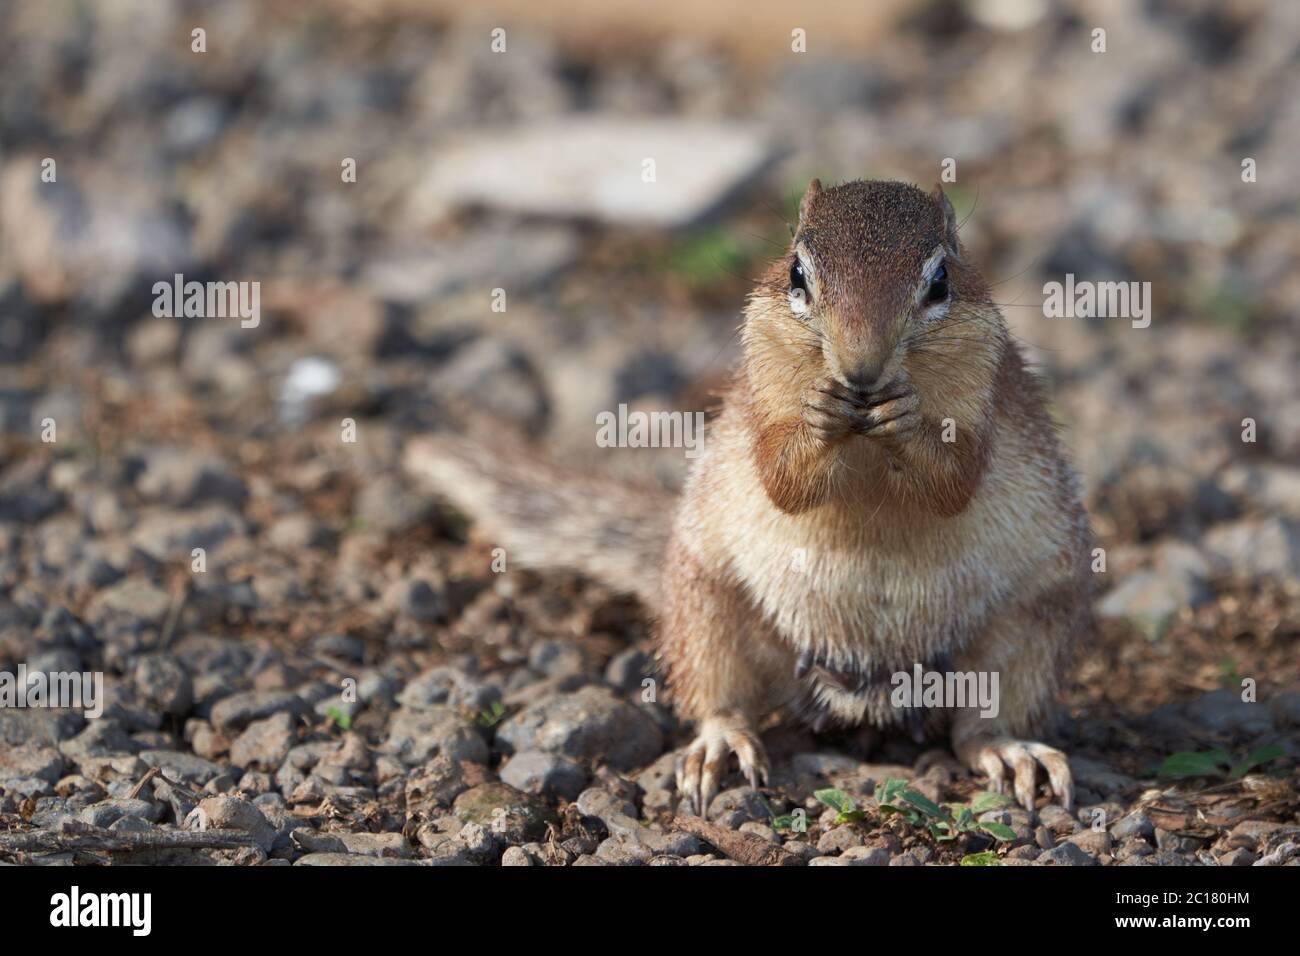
{"x":837,"y":800}
{"x":924,"y":804}
{"x":890,"y":791}
{"x":1255,"y":758}
{"x":987,"y":858}
{"x":942,"y":830}
{"x":1189,"y":764}
{"x":986,"y":801}
{"x":999,"y":831}
{"x":341,"y":720}
{"x":491,"y":716}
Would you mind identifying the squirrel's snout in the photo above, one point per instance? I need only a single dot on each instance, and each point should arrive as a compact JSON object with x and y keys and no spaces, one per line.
{"x":864,"y":376}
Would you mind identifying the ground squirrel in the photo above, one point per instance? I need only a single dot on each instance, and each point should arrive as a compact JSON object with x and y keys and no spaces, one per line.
{"x":883,"y":487}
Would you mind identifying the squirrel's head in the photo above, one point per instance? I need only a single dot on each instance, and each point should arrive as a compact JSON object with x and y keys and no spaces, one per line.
{"x":875,"y":285}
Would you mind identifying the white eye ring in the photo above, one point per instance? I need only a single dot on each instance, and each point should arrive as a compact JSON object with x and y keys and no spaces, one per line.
{"x":798,"y":301}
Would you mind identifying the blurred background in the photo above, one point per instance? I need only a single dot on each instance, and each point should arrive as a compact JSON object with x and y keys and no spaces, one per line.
{"x":500,"y":146}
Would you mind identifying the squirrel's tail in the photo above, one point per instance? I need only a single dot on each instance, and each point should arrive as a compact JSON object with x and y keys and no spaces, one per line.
{"x":545,"y":516}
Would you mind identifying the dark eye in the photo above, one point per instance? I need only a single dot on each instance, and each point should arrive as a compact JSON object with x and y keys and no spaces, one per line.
{"x":938,"y":290}
{"x":798,"y":280}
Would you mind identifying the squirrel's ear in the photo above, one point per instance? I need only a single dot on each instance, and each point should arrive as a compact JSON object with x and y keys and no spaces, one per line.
{"x":809,"y":197}
{"x":949,"y":214}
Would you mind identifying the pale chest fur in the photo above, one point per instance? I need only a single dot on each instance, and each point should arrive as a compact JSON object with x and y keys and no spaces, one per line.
{"x":879,"y":583}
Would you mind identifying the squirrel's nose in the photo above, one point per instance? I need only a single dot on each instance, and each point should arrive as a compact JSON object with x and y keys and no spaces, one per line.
{"x":865,"y":377}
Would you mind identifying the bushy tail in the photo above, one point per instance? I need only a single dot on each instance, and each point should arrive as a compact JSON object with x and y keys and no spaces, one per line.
{"x":547,"y":517}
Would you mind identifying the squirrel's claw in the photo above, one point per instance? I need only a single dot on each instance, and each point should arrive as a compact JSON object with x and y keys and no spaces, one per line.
{"x":1019,"y":760}
{"x":701,"y":768}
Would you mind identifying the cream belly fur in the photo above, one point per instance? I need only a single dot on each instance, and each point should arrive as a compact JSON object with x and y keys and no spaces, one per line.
{"x":893,"y":587}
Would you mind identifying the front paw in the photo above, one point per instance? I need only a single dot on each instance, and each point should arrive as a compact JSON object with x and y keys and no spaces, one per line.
{"x":701,"y":768}
{"x":894,"y":412}
{"x":1019,"y":762}
{"x":832,"y":411}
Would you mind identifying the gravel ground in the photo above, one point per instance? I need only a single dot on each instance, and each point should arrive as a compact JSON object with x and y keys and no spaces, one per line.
{"x":347,"y":681}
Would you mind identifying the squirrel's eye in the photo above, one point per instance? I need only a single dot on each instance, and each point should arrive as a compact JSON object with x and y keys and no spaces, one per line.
{"x":798,"y":287}
{"x":938,"y":290}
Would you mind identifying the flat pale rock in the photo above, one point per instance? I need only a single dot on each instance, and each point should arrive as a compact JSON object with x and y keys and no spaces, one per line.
{"x":592,"y":168}
{"x":348,"y":859}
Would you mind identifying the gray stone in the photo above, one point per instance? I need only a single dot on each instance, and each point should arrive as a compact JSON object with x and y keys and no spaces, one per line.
{"x":1098,"y":776}
{"x":625,"y":829}
{"x":348,"y":859}
{"x":761,"y":830}
{"x":623,"y":852}
{"x":1151,"y":599}
{"x":503,"y":376}
{"x":551,"y":775}
{"x":264,"y":743}
{"x":1067,"y":854}
{"x":233,"y":813}
{"x":1224,"y":712}
{"x":557,"y":658}
{"x":914,"y":857}
{"x":1170,"y":842}
{"x":747,"y":802}
{"x":1136,"y":824}
{"x":416,"y":598}
{"x":39,"y":727}
{"x":802,"y":849}
{"x":589,"y":724}
{"x":449,"y":686}
{"x":514,"y":856}
{"x":101,"y":738}
{"x":866,"y":856}
{"x":627,"y":669}
{"x":186,"y":477}
{"x":386,"y":505}
{"x":41,"y":763}
{"x":107,"y":812}
{"x":416,"y":736}
{"x":1256,"y":547}
{"x":360,"y":844}
{"x":169,"y":535}
{"x":513,"y":816}
{"x":839,"y":839}
{"x":1238,"y":857}
{"x":181,"y":766}
{"x":477,"y":839}
{"x":239,"y":710}
{"x":131,"y":825}
{"x":514,"y":256}
{"x":295,"y":533}
{"x":1285,"y":708}
{"x":600,"y":803}
{"x":1058,"y":818}
{"x":131,"y":599}
{"x":1092,"y":842}
{"x":163,"y":683}
{"x":434,"y":786}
